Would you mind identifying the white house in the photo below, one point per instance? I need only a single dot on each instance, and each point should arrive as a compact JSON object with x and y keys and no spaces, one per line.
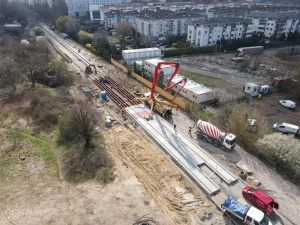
{"x":150,"y":64}
{"x":192,"y":90}
{"x":132,"y":55}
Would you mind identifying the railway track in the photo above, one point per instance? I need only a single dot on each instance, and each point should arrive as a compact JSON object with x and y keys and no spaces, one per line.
{"x":115,"y":91}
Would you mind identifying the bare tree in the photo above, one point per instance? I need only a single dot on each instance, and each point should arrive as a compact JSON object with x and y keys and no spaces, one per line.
{"x":34,"y":62}
{"x":238,"y":123}
{"x":9,"y":73}
{"x":33,"y":67}
{"x":124,"y":29}
{"x":81,"y":124}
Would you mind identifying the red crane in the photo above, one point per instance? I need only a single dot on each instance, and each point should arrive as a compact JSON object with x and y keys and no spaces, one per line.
{"x":163,"y":107}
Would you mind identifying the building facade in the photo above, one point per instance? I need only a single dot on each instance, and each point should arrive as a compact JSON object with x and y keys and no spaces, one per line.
{"x":208,"y":31}
{"x":150,"y":64}
{"x":164,"y":23}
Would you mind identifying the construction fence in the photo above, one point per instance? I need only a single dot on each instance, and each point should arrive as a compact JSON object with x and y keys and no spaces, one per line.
{"x":162,"y":92}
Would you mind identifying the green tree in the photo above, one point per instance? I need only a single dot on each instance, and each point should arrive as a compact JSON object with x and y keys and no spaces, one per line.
{"x":103,"y":48}
{"x":84,"y":37}
{"x":68,"y":25}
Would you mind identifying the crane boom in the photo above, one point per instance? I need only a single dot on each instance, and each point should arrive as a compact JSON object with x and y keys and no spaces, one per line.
{"x":156,"y":74}
{"x":161,"y":106}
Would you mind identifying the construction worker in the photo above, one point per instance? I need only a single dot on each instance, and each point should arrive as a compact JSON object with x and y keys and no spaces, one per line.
{"x":123,"y":111}
{"x":174,"y":126}
{"x":190,"y":130}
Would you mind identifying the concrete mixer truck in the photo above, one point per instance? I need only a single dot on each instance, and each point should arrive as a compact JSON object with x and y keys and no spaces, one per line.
{"x":211,"y":134}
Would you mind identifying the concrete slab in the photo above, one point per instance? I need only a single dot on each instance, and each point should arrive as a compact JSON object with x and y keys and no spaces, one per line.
{"x":188,"y":155}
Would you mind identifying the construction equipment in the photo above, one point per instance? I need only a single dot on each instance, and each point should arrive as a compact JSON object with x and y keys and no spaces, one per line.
{"x":211,"y":134}
{"x":89,"y":69}
{"x":249,"y":215}
{"x":160,"y":106}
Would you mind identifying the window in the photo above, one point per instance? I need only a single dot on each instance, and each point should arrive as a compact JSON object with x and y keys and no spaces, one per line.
{"x":248,"y":219}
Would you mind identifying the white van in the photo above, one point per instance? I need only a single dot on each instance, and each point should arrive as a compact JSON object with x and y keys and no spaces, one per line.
{"x":286,"y":128}
{"x":288,"y":104}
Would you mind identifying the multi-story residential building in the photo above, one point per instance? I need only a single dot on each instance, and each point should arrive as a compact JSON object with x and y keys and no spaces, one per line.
{"x":208,"y":31}
{"x":164,"y":23}
{"x":82,"y":7}
{"x":105,"y":9}
{"x":174,"y":7}
{"x":275,"y":24}
{"x":116,"y":16}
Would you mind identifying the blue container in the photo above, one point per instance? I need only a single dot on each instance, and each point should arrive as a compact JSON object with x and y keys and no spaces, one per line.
{"x":103,"y":95}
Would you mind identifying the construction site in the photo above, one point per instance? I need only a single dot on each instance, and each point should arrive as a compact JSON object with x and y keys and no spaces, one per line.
{"x":169,"y":168}
{"x":155,"y":114}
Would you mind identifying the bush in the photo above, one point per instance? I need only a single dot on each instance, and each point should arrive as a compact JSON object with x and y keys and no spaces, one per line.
{"x":97,"y":164}
{"x":189,"y":51}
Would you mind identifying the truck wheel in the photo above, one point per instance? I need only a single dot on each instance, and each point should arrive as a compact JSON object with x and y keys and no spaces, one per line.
{"x":205,"y":139}
{"x":223,"y":148}
{"x":199,"y":136}
{"x":216,"y":144}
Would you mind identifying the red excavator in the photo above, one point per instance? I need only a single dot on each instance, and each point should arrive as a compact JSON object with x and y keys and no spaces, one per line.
{"x":89,"y":70}
{"x":162,"y":107}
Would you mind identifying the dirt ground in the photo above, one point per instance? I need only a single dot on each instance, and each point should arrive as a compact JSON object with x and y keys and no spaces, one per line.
{"x":286,"y":193}
{"x":147,"y":181}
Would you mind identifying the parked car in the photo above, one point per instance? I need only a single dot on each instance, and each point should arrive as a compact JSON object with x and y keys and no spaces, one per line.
{"x":167,"y":46}
{"x":162,"y":44}
{"x":288,"y":104}
{"x":100,"y":66}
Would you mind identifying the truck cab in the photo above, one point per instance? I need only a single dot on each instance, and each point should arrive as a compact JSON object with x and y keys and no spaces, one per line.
{"x":229,"y":141}
{"x":256,"y":217}
{"x":260,"y":200}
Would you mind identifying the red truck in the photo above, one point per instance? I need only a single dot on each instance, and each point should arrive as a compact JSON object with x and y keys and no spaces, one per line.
{"x":261,"y":200}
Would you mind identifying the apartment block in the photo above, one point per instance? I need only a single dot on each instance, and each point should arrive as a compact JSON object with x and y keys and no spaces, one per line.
{"x":208,"y":31}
